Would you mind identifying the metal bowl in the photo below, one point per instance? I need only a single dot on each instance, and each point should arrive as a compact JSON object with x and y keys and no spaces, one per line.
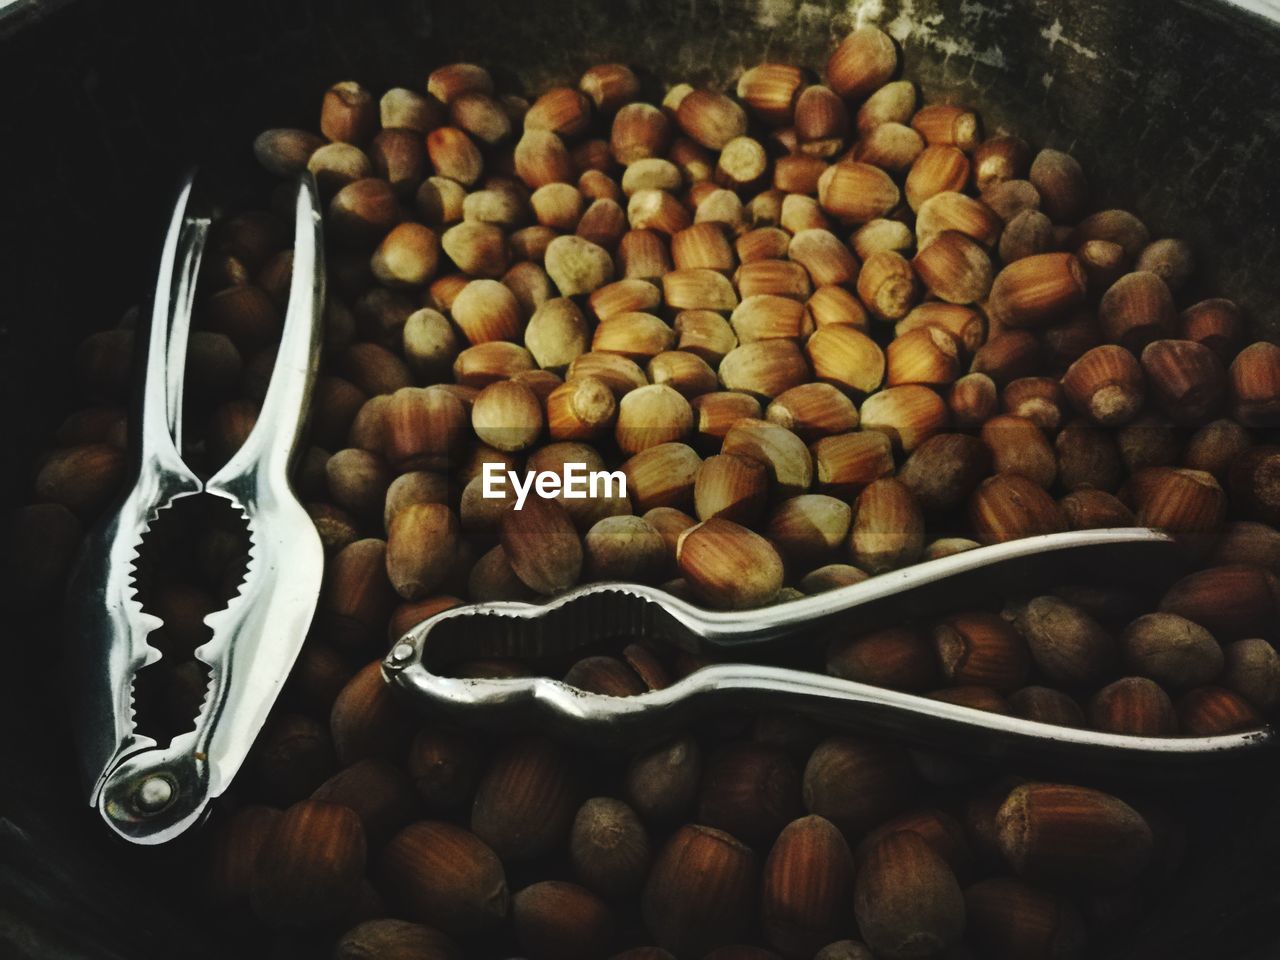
{"x":1171,"y":107}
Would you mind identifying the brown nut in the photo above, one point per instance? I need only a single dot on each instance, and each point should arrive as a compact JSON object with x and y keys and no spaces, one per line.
{"x":542,"y":545}
{"x":1072,"y":836}
{"x":1009,"y":506}
{"x":310,"y":865}
{"x":1067,"y":644}
{"x":808,"y":883}
{"x":445,"y":876}
{"x":1135,"y":706}
{"x":896,"y":657}
{"x":981,"y":649}
{"x":888,"y":527}
{"x":906,"y":898}
{"x":556,"y":920}
{"x":700,"y":891}
{"x":856,"y":783}
{"x":729,"y":566}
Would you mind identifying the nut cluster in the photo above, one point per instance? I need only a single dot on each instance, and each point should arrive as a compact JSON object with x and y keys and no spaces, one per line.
{"x":762,"y":838}
{"x":825,"y":331}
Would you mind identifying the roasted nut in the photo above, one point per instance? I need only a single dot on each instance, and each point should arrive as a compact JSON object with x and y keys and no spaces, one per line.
{"x":1230,"y":601}
{"x":1037,"y":290}
{"x":925,"y":355}
{"x":888,"y":527}
{"x":652,"y":415}
{"x":1252,"y":670}
{"x":731,"y":486}
{"x":1090,"y":509}
{"x":831,"y":576}
{"x":1253,"y":482}
{"x":782,"y":452}
{"x":944,"y":470}
{"x":750,"y":791}
{"x":366,"y":720}
{"x":662,"y":476}
{"x":1008,"y":918}
{"x":781,"y":277}
{"x":1018,"y":446}
{"x":843,"y":465}
{"x":972,"y":400}
{"x":711,"y":118}
{"x":507,"y":416}
{"x":609,"y":848}
{"x":1136,"y":310}
{"x":542,"y":545}
{"x":577,"y":266}
{"x":1215,"y":447}
{"x":809,"y":528}
{"x":865,"y":60}
{"x":83,"y":479}
{"x":1039,"y":399}
{"x":310,"y":865}
{"x":1067,"y":645}
{"x":897,"y":657}
{"x":1046,"y":705}
{"x":445,"y":876}
{"x":1249,"y":542}
{"x":555,"y":919}
{"x":661,"y":783}
{"x":887,"y":285}
{"x":422,"y":543}
{"x":1072,"y":836}
{"x":906,"y":898}
{"x":951,"y":210}
{"x":847,"y":358}
{"x":624,"y":548}
{"x":954,"y":268}
{"x":700,"y":891}
{"x":1008,"y":356}
{"x":998,"y":159}
{"x":808,"y":883}
{"x":812,"y":411}
{"x":395,"y":940}
{"x":856,"y":192}
{"x":525,"y":800}
{"x":1088,"y":458}
{"x":380,"y":793}
{"x":889,"y":146}
{"x":765,"y":368}
{"x":1133,"y":705}
{"x":541,"y":158}
{"x":358,"y":596}
{"x":855,"y":783}
{"x":478,"y":249}
{"x":938,"y":169}
{"x":1215,"y":711}
{"x":981,"y":649}
{"x":770,"y":317}
{"x":1255,"y":385}
{"x":729,"y":566}
{"x":1061,"y":184}
{"x":1216,"y":323}
{"x":821,"y":124}
{"x":908,"y":415}
{"x":1185,"y":502}
{"x":1106,"y":385}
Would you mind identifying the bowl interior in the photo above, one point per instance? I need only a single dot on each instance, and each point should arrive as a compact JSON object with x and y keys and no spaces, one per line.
{"x":1171,"y":108}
